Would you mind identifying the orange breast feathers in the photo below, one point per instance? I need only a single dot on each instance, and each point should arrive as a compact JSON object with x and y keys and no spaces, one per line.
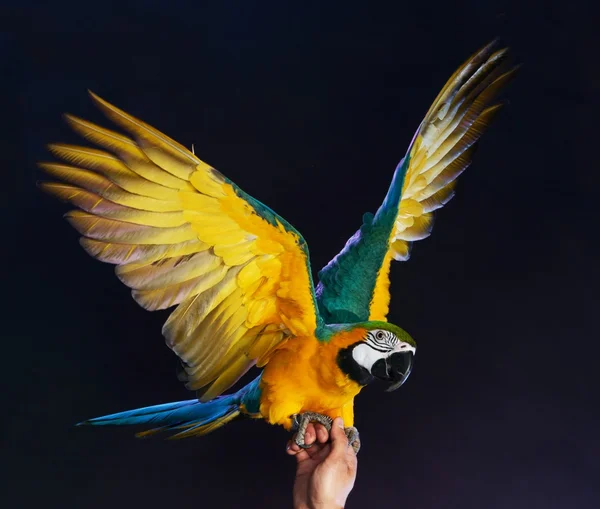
{"x":303,"y":376}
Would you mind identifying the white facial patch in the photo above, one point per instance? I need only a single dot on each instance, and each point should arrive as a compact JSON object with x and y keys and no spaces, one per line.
{"x":366,"y":356}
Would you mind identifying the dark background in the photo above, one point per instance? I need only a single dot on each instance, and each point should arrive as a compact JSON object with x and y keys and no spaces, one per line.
{"x":309,"y":109}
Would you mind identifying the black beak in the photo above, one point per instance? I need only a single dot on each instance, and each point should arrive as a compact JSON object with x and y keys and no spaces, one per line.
{"x":395,"y":369}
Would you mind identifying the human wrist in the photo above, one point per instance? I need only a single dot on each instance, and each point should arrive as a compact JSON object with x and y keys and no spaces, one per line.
{"x":324,"y":504}
{"x":320,"y":505}
{"x":317,"y":505}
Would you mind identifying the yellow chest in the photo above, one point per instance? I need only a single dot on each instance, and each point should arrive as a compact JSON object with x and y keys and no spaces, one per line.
{"x":303,"y":375}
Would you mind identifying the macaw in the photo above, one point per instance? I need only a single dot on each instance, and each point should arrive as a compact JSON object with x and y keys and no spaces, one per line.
{"x":182,"y":234}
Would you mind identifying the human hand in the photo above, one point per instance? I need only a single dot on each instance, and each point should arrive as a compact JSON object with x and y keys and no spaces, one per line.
{"x":326,"y":472}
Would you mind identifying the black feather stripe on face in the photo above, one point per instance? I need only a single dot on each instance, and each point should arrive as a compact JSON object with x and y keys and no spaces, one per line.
{"x":381,"y":340}
{"x":351,"y":368}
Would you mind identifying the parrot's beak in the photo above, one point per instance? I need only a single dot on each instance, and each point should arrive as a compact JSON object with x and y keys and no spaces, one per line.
{"x":395,"y":369}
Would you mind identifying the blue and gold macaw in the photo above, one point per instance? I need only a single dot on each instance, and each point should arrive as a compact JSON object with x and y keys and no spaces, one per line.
{"x":182,"y":234}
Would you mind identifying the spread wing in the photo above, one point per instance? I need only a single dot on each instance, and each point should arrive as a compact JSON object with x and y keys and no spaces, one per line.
{"x":181,"y":234}
{"x":354,"y":286}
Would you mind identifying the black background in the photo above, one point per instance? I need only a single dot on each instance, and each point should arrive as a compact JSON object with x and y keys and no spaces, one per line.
{"x":309,"y":108}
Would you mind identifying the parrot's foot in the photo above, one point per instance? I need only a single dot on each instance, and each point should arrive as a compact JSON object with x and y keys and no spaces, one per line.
{"x":300,"y":422}
{"x":353,"y":438}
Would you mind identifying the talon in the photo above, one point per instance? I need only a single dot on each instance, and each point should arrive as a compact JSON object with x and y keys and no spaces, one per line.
{"x":303,"y":445}
{"x":296,"y":418}
{"x":300,"y":422}
{"x":353,"y":438}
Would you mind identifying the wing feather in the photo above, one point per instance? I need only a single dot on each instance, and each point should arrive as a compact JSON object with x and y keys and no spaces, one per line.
{"x":181,"y":234}
{"x":355,"y":284}
{"x":128,"y":152}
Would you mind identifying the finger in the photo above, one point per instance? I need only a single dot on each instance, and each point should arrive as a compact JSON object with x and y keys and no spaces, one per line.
{"x":292,"y":448}
{"x":319,"y":452}
{"x":311,"y":435}
{"x":322,"y":433}
{"x":339,"y":441}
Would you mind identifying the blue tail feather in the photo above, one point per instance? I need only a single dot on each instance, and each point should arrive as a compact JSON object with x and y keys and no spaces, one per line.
{"x":182,"y":414}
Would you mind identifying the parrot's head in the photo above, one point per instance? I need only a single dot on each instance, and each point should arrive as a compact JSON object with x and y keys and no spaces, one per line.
{"x":385,"y":352}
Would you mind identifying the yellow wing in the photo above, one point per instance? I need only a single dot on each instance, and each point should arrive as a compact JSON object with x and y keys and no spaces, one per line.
{"x":440,"y":151}
{"x":180,"y":233}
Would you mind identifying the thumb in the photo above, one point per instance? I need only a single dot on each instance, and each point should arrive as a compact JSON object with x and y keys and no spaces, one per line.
{"x":339,"y":441}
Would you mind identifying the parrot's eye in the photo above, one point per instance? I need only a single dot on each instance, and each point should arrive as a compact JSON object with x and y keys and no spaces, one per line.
{"x":379,"y":335}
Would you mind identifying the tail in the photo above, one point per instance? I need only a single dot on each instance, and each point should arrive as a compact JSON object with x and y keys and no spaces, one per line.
{"x":191,"y":416}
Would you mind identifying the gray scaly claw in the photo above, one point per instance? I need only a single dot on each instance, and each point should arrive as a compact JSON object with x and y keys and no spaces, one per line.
{"x":353,"y":438}
{"x":300,"y":422}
